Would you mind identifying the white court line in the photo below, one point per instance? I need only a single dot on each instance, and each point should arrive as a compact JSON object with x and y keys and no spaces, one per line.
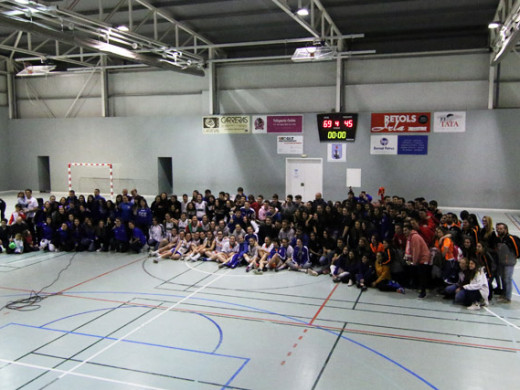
{"x":246,"y":275}
{"x":81,"y":375}
{"x":501,"y":319}
{"x":141,"y":326}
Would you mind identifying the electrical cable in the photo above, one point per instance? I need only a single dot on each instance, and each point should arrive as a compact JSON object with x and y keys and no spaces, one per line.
{"x":32,"y":302}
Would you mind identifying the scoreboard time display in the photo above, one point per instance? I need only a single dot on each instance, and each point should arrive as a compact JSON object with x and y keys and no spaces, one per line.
{"x":337,"y":127}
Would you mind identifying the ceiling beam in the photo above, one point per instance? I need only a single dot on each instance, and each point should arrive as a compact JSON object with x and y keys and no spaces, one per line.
{"x":98,"y":46}
{"x":504,"y":38}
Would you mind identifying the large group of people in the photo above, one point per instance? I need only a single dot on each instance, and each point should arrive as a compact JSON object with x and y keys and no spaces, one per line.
{"x":387,"y":243}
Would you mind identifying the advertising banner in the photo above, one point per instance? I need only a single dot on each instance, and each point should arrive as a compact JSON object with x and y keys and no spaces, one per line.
{"x":399,"y":144}
{"x":290,"y":144}
{"x":383,"y":144}
{"x":449,"y":122}
{"x":226,"y":124}
{"x":263,"y":124}
{"x":412,"y":144}
{"x":405,"y":122}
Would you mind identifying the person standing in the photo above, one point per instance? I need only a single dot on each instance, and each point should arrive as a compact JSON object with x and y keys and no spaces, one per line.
{"x":417,"y":255}
{"x":507,"y":250}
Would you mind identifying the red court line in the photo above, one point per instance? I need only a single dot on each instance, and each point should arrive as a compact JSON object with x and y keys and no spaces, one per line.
{"x":323,"y":304}
{"x":103,"y":274}
{"x":300,"y":324}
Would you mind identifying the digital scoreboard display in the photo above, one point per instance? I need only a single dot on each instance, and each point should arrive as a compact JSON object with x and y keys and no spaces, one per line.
{"x":337,"y":127}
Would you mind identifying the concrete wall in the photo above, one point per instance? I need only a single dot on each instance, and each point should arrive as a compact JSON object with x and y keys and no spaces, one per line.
{"x":455,"y":82}
{"x":476,"y":168}
{"x":5,"y":181}
{"x":159,"y":114}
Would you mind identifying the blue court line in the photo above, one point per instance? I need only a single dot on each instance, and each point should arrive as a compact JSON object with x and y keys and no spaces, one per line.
{"x":68,"y":332}
{"x":516,"y":287}
{"x":389,"y":359}
{"x":133,"y":306}
{"x":244,"y":359}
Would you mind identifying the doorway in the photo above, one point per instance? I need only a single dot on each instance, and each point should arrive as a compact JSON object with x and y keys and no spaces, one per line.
{"x":165,"y":175}
{"x":304,"y":176}
{"x":44,"y":174}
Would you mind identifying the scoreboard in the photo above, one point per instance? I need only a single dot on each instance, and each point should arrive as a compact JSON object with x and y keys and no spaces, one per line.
{"x":336,"y":127}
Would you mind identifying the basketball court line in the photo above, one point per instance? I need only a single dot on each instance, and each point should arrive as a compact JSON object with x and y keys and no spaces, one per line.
{"x":157,"y":374}
{"x":63,"y":373}
{"x":73,"y":369}
{"x":303,"y":322}
{"x":501,"y":318}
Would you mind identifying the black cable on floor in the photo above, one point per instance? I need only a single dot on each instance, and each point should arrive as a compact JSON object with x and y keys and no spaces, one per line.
{"x":32,"y":302}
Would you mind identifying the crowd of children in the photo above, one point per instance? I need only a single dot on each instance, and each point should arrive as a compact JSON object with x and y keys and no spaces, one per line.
{"x":388,"y":243}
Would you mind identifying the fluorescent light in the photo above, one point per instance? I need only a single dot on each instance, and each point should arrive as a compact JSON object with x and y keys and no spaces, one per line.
{"x":24,"y":2}
{"x":123,"y":28}
{"x":120,"y":51}
{"x":302,"y":12}
{"x":36,"y":70}
{"x":494,"y":25}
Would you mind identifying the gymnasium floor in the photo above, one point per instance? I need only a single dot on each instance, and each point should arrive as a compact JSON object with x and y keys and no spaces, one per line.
{"x":118,"y":321}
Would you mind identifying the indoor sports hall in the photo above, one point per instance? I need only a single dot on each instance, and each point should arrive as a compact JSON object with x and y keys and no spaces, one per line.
{"x":119,"y":321}
{"x":408,"y":99}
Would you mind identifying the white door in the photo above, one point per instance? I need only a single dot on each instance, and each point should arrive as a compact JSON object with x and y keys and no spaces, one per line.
{"x":303,"y":176}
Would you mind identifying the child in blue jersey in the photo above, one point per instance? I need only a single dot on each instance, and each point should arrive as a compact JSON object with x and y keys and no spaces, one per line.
{"x":63,"y":239}
{"x":277,"y":256}
{"x":47,"y":235}
{"x":301,"y":260}
{"x":143,"y":216}
{"x":120,"y":237}
{"x":137,"y":238}
{"x":125,"y":210}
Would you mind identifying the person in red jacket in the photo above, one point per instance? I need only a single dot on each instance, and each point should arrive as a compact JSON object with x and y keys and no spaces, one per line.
{"x":417,"y":254}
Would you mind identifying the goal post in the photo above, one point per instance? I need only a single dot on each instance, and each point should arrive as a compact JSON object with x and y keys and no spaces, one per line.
{"x":94,"y":165}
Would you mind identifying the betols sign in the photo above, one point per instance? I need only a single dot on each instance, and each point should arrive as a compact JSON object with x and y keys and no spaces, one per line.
{"x":407,"y":122}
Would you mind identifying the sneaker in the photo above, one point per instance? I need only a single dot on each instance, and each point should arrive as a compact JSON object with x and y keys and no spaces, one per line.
{"x":248,"y":269}
{"x":474,"y":306}
{"x":400,"y":290}
{"x":221,"y":265}
{"x":503,"y":300}
{"x":258,"y":271}
{"x":335,"y":279}
{"x":364,"y":288}
{"x":350,"y":283}
{"x":156,"y":260}
{"x":312,"y":272}
{"x":421,"y":295}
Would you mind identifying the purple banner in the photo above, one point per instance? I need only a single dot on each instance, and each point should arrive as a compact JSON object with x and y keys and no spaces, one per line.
{"x":412,"y":144}
{"x":284,"y":123}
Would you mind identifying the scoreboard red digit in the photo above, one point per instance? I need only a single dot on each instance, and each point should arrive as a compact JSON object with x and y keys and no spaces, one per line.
{"x":337,"y":127}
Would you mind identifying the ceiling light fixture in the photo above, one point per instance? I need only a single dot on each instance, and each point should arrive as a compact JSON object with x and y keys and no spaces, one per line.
{"x":302,"y":12}
{"x":493,"y":25}
{"x":123,"y":28}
